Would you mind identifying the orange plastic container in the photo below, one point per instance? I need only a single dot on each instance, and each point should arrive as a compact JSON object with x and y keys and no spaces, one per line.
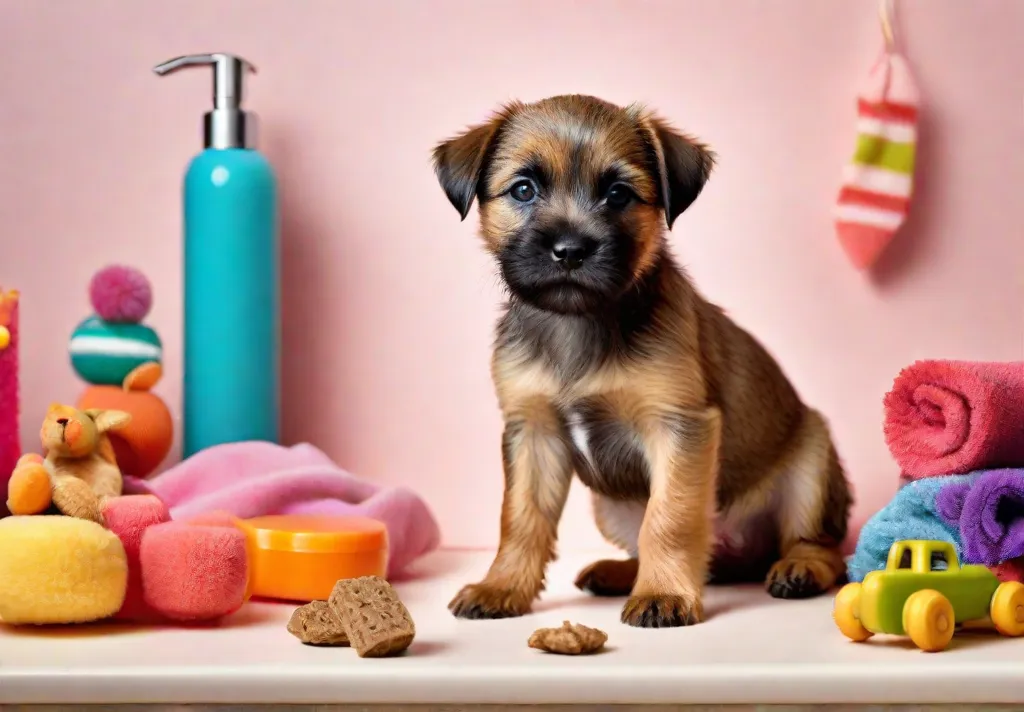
{"x":301,"y":557}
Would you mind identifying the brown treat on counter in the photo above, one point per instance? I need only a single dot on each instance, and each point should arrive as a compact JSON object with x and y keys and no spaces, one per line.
{"x":376,"y":621}
{"x":316,"y":624}
{"x":570,"y":639}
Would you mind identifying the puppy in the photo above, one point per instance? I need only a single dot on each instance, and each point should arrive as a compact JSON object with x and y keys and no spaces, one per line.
{"x":702,"y":460}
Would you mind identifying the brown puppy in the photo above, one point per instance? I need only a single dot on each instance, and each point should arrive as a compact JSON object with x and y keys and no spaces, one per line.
{"x":702,"y":460}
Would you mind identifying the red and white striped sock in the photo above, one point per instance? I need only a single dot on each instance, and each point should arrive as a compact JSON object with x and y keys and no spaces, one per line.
{"x":878,"y":181}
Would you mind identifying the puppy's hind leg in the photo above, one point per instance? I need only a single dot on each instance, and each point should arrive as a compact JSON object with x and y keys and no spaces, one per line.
{"x":813,"y":511}
{"x":619,"y":522}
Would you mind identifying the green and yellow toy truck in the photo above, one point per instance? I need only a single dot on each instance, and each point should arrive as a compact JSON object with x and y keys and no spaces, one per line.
{"x":925,"y":593}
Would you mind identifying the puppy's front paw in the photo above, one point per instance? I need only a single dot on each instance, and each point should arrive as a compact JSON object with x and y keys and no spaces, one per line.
{"x":480,"y":601}
{"x":662,"y":611}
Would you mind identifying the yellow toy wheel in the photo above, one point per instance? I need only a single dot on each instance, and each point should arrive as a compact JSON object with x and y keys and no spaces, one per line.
{"x":928,"y":620}
{"x":1007,"y":608}
{"x":846,"y":613}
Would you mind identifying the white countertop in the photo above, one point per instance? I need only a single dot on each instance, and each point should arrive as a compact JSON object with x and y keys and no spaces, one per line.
{"x":753,"y":649}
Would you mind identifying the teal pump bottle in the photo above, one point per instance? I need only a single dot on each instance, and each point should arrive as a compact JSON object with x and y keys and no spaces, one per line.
{"x":231,"y":389}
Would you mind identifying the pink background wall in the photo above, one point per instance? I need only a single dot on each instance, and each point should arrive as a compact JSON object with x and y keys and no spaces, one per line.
{"x":389,"y":301}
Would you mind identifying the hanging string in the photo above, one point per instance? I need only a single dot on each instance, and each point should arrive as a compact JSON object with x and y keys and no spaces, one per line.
{"x":886,"y":11}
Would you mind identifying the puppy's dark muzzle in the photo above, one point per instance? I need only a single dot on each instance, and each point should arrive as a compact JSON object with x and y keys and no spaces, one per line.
{"x":571,"y":251}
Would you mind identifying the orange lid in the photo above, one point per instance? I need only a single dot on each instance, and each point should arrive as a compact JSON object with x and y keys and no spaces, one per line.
{"x":317,"y":534}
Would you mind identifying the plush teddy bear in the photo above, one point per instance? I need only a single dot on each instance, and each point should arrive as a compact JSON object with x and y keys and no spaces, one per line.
{"x":79,"y":472}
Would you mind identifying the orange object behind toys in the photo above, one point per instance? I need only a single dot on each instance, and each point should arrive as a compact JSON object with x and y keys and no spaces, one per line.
{"x":142,"y":445}
{"x":301,"y":557}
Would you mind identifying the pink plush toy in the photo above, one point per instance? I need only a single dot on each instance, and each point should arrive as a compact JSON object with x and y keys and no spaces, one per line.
{"x":177,"y":571}
{"x":10,"y":447}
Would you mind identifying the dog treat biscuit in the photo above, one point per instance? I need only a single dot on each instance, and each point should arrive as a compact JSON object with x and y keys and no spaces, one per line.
{"x":316,"y":624}
{"x":570,"y":639}
{"x":376,"y":621}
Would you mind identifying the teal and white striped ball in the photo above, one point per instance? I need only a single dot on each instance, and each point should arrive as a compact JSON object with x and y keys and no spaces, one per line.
{"x":103,"y":353}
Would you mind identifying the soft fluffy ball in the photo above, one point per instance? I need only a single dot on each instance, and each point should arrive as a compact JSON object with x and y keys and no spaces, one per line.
{"x":193,"y":572}
{"x":56,"y":569}
{"x":129,"y":517}
{"x":121,"y":295}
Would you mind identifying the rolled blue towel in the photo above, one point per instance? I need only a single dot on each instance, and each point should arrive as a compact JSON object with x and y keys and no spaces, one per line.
{"x":911,"y":514}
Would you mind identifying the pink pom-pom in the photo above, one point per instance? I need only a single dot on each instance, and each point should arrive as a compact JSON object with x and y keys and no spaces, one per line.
{"x":121,"y":294}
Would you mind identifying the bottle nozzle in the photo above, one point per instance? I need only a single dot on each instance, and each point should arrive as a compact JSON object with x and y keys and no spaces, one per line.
{"x":228,"y":75}
{"x":227,"y":126}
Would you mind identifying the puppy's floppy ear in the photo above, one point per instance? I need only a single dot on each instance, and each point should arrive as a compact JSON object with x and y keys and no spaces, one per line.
{"x":683,"y":164}
{"x":459,"y":162}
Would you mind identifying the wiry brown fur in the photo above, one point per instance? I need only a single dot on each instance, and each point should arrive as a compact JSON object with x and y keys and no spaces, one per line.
{"x":702,"y":459}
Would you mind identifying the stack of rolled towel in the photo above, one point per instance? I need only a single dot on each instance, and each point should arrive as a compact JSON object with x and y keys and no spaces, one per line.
{"x":956,"y":428}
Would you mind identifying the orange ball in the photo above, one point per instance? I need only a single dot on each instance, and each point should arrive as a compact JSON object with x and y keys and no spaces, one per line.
{"x":143,"y":444}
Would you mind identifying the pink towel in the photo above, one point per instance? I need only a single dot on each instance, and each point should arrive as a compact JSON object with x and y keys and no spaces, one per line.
{"x":252,"y":479}
{"x":952,"y":417}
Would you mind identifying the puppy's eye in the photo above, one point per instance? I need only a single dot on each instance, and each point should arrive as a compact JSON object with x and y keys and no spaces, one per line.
{"x":618,"y":196}
{"x":524,"y":191}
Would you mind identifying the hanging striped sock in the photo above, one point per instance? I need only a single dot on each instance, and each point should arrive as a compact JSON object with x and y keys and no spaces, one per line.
{"x":878,"y":182}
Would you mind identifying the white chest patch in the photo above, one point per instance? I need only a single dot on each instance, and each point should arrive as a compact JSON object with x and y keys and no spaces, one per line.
{"x":579,"y":435}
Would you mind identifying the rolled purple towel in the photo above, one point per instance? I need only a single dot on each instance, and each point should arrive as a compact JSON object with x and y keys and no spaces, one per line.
{"x":989,"y":513}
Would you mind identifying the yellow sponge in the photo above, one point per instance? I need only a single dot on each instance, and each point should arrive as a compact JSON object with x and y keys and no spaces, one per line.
{"x":56,"y":569}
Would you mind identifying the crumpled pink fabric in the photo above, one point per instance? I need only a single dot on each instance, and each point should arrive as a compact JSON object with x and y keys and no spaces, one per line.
{"x":253,"y":479}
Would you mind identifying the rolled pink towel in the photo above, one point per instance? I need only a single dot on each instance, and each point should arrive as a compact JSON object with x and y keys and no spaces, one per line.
{"x":952,"y":417}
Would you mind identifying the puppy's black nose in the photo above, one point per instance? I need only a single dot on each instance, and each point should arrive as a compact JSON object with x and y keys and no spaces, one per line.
{"x":62,"y":421}
{"x":571,"y":251}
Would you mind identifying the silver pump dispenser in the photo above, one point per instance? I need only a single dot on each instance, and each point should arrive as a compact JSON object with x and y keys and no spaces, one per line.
{"x":227,"y":126}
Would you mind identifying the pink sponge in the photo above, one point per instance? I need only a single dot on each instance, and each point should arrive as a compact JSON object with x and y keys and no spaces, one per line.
{"x":178,"y":571}
{"x":129,"y":517}
{"x":194,"y":572}
{"x":218,"y":518}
